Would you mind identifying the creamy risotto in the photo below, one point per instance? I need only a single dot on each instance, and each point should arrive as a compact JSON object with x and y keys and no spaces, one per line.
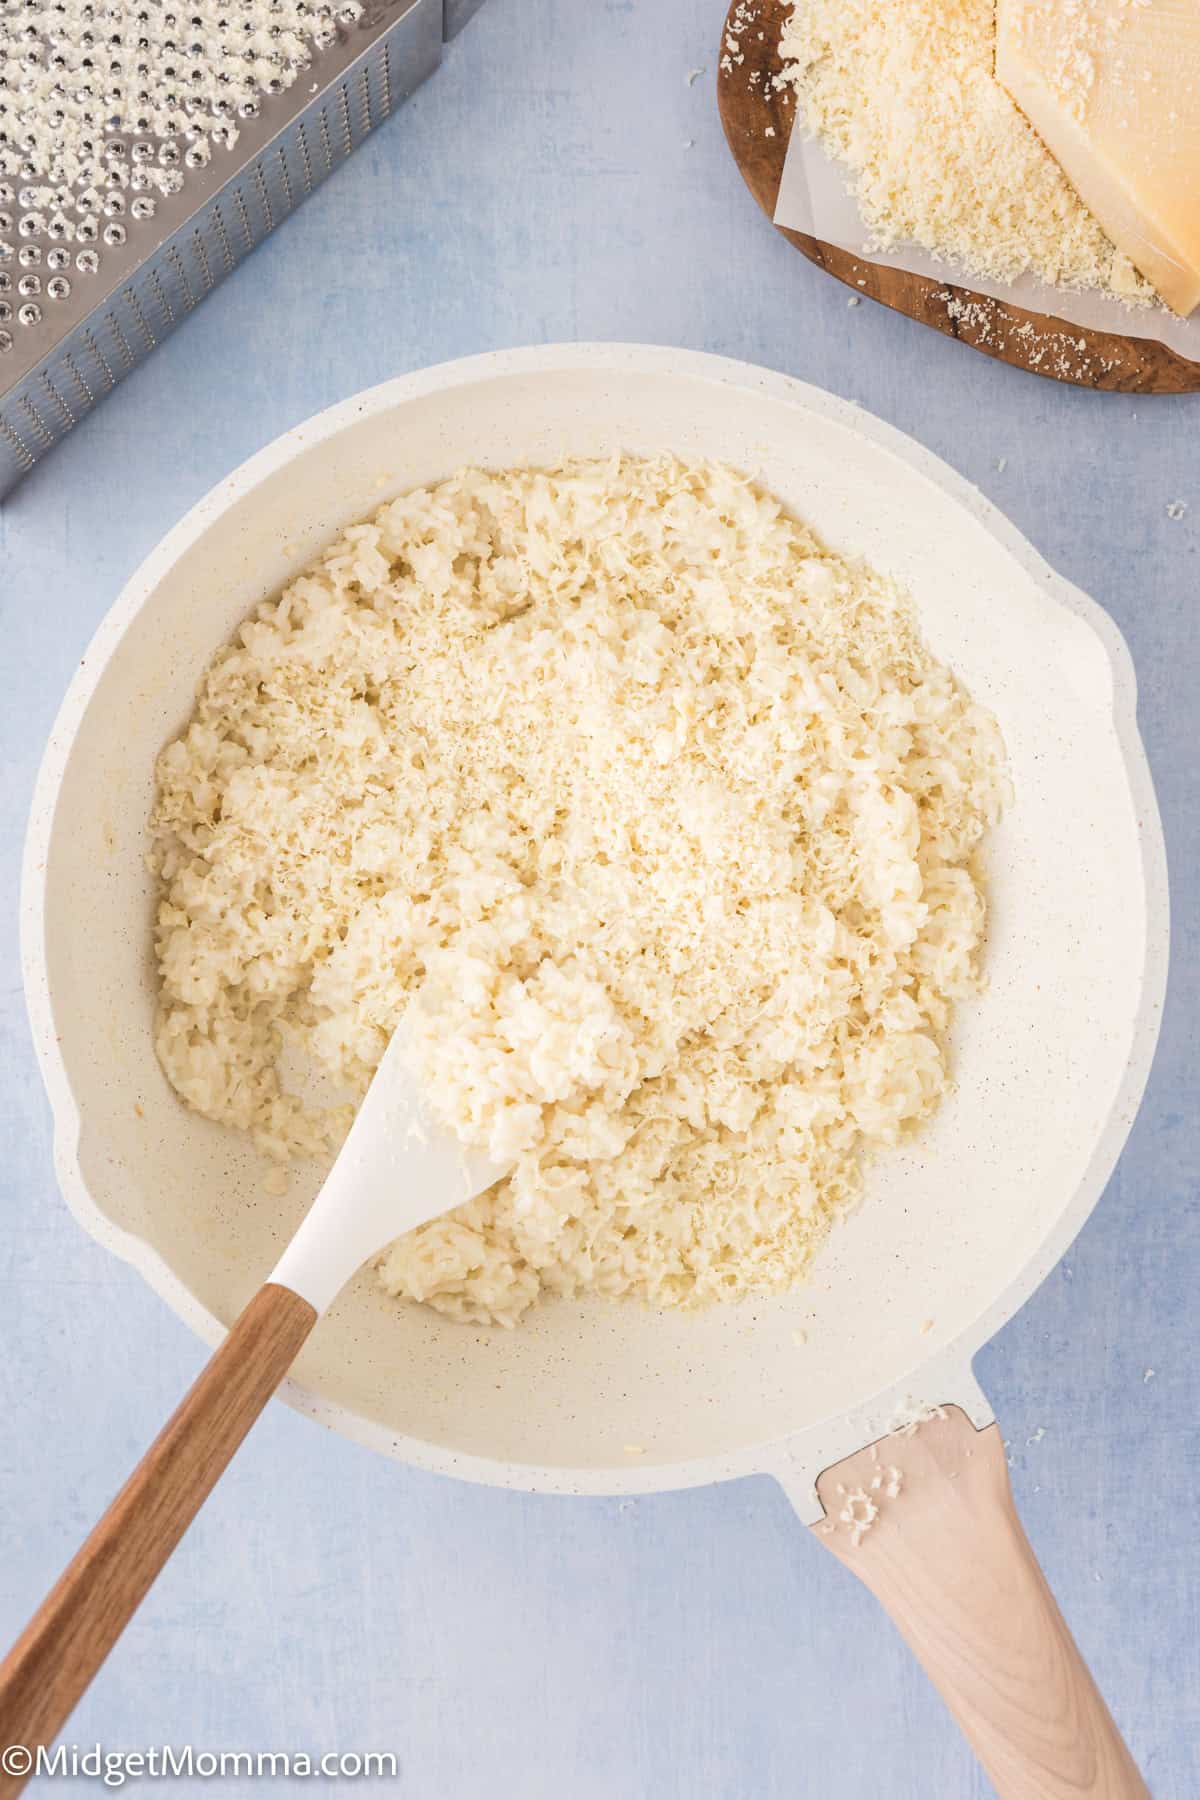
{"x":661,"y":817}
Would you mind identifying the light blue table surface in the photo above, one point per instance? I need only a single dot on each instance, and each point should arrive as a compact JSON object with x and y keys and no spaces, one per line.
{"x":560,"y":179}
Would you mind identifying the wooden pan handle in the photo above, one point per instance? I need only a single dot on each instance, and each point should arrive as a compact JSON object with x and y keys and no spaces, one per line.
{"x":56,"y":1656}
{"x":947,"y":1558}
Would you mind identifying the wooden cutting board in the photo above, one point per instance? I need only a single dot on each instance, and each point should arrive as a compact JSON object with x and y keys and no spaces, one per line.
{"x":757,"y":118}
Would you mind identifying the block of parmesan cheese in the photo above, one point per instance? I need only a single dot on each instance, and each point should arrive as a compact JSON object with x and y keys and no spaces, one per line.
{"x":1113,"y":89}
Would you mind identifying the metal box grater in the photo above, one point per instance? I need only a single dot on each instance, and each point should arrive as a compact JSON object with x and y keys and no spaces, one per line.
{"x":80,"y":308}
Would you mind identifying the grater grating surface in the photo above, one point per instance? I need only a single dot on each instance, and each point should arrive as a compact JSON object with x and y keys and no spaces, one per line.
{"x":146,"y":148}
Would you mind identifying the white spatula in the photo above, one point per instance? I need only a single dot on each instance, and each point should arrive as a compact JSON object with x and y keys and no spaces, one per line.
{"x":396,"y":1170}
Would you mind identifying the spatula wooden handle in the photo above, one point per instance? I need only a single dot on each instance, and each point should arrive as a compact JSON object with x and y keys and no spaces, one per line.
{"x":78,"y":1623}
{"x":948,"y":1559}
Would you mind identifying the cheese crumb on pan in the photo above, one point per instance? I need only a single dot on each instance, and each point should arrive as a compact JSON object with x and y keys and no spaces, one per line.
{"x":904,"y":93}
{"x":665,"y":812}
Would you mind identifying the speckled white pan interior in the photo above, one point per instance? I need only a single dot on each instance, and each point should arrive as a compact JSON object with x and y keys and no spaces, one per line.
{"x":958,"y":1230}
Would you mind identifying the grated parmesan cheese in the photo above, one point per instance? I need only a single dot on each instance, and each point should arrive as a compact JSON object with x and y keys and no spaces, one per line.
{"x":911,"y":1414}
{"x":903,"y":92}
{"x":663,"y":816}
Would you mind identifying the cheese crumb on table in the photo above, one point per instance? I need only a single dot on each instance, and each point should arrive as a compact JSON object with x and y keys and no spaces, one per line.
{"x":904,"y":93}
{"x":660,"y":817}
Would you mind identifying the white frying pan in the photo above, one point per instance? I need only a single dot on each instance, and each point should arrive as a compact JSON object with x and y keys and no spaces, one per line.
{"x":955,"y":1232}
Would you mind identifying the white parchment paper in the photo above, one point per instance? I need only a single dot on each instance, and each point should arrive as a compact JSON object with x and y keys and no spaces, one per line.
{"x":814,"y":198}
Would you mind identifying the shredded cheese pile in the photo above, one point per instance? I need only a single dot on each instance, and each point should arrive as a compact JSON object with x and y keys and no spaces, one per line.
{"x":904,"y":93}
{"x":662,"y":815}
